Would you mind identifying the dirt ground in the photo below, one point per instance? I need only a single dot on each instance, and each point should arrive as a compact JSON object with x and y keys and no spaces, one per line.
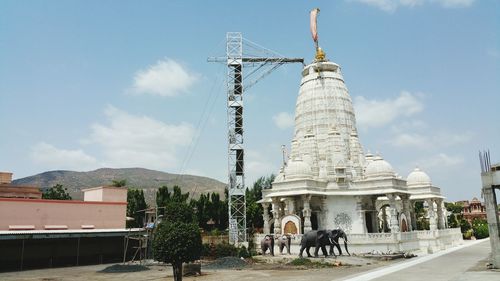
{"x":272,"y":269}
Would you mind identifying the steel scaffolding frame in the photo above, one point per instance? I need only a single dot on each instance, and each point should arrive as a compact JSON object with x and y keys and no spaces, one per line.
{"x":263,"y":61}
{"x":237,"y":202}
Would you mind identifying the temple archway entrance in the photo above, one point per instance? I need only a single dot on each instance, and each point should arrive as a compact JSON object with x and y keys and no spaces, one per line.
{"x":290,"y":228}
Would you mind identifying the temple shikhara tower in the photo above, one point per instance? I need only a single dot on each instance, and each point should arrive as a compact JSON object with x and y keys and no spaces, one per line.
{"x":330,"y":182}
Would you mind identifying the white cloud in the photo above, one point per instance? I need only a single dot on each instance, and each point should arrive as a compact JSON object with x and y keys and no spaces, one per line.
{"x":125,"y":140}
{"x":56,"y":159}
{"x":410,"y":140}
{"x":442,"y":139}
{"x":392,"y":5}
{"x":139,"y":141}
{"x":442,"y":160}
{"x":257,"y":165}
{"x":284,"y":120}
{"x":374,"y":113}
{"x":455,"y":3}
{"x":166,"y":78}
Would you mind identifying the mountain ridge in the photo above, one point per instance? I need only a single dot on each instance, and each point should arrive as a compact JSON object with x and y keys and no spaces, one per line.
{"x":141,"y":178}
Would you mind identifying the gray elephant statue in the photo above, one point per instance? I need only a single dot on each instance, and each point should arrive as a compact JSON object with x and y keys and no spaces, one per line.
{"x":318,"y":239}
{"x":267,"y":243}
{"x":284,"y":242}
{"x":338,"y":233}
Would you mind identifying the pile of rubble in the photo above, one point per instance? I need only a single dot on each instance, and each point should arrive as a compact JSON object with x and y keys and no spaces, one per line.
{"x":390,"y":255}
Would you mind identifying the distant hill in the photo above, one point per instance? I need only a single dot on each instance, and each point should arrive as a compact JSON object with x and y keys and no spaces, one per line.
{"x":148,"y":180}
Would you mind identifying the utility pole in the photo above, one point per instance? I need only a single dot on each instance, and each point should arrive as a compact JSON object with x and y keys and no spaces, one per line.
{"x":261,"y":65}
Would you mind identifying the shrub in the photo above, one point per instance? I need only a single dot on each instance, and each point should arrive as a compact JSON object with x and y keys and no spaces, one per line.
{"x":205,"y":250}
{"x":225,"y":250}
{"x":481,"y":231}
{"x":252,"y":252}
{"x":464,"y":226}
{"x":176,"y":243}
{"x":244,"y":253}
{"x":467,"y":234}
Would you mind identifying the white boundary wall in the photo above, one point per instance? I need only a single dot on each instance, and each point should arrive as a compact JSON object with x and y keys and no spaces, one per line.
{"x":428,"y":241}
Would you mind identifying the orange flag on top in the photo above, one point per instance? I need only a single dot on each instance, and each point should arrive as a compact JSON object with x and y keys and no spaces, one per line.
{"x":314,"y":29}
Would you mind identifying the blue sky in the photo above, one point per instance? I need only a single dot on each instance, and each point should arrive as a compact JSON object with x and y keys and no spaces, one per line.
{"x":89,"y":84}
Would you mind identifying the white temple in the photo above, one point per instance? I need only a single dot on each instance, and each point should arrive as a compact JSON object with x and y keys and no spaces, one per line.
{"x":330,"y":182}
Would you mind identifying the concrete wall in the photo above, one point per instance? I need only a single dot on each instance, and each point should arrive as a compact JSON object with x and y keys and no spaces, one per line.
{"x":93,"y":194}
{"x":340,"y":207}
{"x":105,"y":194}
{"x":73,"y":214}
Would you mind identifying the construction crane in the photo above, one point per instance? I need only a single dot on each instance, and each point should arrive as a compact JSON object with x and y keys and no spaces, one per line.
{"x":242,"y":53}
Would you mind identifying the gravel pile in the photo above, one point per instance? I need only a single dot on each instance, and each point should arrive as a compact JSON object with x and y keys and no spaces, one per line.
{"x":121,"y":268}
{"x":226,"y":263}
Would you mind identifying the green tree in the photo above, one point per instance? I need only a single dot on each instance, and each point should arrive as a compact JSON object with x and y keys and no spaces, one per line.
{"x":177,"y":243}
{"x":178,"y":196}
{"x":135,"y":203}
{"x":178,"y":212}
{"x":480,"y":228}
{"x":57,"y":192}
{"x":453,"y":208}
{"x":422,"y":222}
{"x":254,"y":209}
{"x":464,"y":225}
{"x":119,"y":183}
{"x":162,"y":196}
{"x":455,"y":214}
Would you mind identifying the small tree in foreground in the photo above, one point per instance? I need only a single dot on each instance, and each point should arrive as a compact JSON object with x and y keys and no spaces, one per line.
{"x":176,"y":243}
{"x":57,"y":192}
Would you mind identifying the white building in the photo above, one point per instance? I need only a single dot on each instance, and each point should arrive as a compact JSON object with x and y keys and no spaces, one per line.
{"x":329,"y":181}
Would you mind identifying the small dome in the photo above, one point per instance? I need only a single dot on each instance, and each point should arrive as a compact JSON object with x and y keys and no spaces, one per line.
{"x":298,"y":169}
{"x":378,"y":167}
{"x":418,"y":178}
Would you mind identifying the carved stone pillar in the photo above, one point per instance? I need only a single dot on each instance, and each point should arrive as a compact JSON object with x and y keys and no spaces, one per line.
{"x":394,"y":224}
{"x":265,"y":217}
{"x":361,"y":213}
{"x":276,"y":215}
{"x":306,"y":212}
{"x":432,"y":214}
{"x":405,"y":199}
{"x":440,"y":214}
{"x":291,"y":206}
{"x":324,"y":213}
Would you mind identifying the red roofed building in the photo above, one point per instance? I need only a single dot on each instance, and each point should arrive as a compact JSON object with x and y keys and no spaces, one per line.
{"x":474,"y":209}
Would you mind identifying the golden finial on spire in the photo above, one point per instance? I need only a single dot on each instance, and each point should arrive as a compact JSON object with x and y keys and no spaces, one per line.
{"x":320,"y":54}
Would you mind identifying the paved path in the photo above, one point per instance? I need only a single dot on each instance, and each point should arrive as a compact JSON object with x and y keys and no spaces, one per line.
{"x":468,"y":262}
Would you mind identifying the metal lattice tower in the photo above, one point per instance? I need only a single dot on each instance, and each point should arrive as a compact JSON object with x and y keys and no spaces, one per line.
{"x":263,"y":61}
{"x":237,"y":203}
